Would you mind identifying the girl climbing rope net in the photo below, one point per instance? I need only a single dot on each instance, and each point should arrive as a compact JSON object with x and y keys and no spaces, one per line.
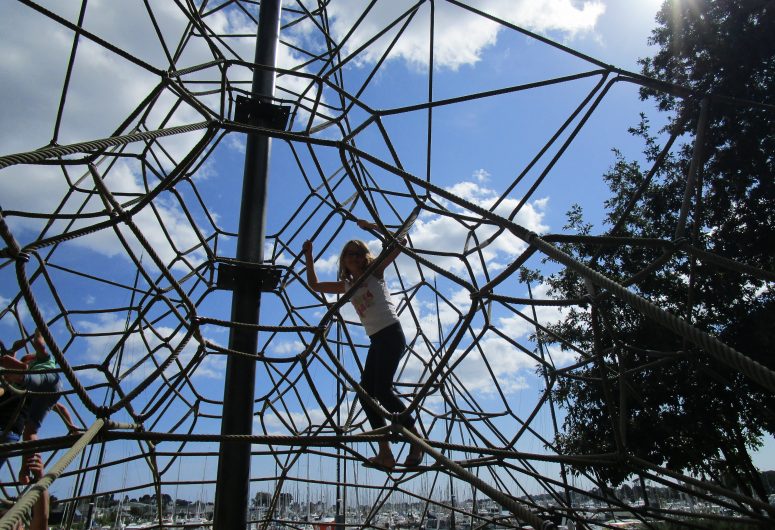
{"x":377,"y":313}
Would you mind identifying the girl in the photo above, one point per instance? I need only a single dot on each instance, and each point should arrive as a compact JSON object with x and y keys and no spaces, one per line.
{"x":378,"y":315}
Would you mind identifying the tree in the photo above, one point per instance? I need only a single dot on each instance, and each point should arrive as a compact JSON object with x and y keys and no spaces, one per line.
{"x":626,"y":492}
{"x":682,"y":408}
{"x":262,"y":500}
{"x":723,"y":49}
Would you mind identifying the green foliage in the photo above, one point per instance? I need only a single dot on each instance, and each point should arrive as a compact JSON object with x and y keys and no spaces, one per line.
{"x":726,"y":48}
{"x":264,"y":499}
{"x":681,"y":408}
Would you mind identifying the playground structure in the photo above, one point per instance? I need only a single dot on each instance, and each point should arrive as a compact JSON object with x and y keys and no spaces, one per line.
{"x":290,"y":375}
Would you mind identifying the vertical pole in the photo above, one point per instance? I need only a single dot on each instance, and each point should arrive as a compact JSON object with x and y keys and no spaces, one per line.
{"x":452,"y":504}
{"x":339,"y":517}
{"x":233,"y":480}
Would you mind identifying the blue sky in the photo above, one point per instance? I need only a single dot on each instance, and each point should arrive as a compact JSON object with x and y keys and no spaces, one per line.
{"x":478,"y":148}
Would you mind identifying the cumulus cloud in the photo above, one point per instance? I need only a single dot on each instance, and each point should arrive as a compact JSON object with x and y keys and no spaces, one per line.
{"x":121,"y":180}
{"x":448,"y":234}
{"x":103,"y":90}
{"x":236,"y":142}
{"x":482,"y":369}
{"x":460,"y":36}
{"x":329,"y":264}
{"x":286,"y":347}
{"x":512,"y":369}
{"x":508,"y":365}
{"x":285,"y":422}
{"x":105,"y":330}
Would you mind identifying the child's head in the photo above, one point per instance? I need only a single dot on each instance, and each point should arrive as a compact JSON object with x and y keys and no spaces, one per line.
{"x":355,"y":258}
{"x":29,"y":358}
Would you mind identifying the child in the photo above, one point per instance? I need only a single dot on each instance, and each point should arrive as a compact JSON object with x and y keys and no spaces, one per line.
{"x":378,"y":316}
{"x":37,"y":405}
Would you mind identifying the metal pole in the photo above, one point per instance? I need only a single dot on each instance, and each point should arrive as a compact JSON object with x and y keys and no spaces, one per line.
{"x":233,"y":480}
{"x":339,"y":517}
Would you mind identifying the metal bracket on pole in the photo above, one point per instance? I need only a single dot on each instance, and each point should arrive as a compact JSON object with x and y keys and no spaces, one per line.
{"x":257,"y":111}
{"x":240,"y":274}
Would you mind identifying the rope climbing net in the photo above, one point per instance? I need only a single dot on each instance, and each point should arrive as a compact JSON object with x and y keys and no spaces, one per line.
{"x":119,"y":248}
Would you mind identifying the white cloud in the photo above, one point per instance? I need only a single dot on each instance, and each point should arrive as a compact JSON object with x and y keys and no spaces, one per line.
{"x":124,"y":179}
{"x":513,"y":370}
{"x":236,"y":142}
{"x":328,"y":265}
{"x":103,"y":90}
{"x":481,"y":175}
{"x":507,"y":362}
{"x":460,"y":36}
{"x":277,"y":423}
{"x":286,"y":348}
{"x":106,"y":331}
{"x":511,"y":367}
{"x":280,"y":259}
{"x":19,"y":314}
{"x":514,"y":325}
{"x":559,"y":358}
{"x":432,"y":232}
{"x":9,"y":319}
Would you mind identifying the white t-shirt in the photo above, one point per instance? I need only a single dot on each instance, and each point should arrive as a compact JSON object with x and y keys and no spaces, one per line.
{"x":373,"y":304}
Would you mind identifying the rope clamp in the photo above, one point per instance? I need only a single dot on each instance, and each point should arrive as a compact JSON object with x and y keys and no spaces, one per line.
{"x":259,"y":113}
{"x":233,"y":276}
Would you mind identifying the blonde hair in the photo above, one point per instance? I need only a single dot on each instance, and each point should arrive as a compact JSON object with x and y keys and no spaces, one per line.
{"x":355,"y":245}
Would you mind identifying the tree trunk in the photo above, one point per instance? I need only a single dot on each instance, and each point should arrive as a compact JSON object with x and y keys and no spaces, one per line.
{"x":646,"y":502}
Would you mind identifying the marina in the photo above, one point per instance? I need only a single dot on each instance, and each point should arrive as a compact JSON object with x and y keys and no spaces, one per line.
{"x":486,"y":516}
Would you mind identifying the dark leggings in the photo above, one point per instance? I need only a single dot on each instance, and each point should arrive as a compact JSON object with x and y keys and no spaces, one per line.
{"x":387,"y":348}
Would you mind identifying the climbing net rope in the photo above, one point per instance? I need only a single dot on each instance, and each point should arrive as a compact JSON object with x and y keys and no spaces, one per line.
{"x":117,"y":262}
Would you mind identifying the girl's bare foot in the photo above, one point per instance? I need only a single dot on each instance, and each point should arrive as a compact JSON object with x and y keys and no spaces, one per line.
{"x":382,"y":462}
{"x":413,"y":459}
{"x":384,"y":459}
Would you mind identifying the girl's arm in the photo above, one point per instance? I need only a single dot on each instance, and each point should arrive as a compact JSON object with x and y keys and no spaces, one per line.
{"x":312,"y":278}
{"x":40,"y":510}
{"x":390,"y":258}
{"x":12,"y":363}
